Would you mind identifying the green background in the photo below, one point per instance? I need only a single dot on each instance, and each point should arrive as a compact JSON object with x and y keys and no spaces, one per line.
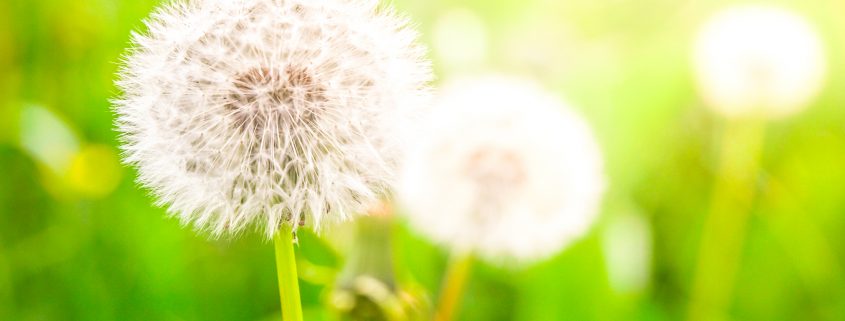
{"x":80,"y":241}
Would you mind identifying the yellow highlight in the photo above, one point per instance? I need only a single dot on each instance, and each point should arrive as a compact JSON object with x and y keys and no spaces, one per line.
{"x":95,"y":171}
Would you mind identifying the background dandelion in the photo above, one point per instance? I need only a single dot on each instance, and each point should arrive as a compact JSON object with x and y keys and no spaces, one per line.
{"x":758,"y":61}
{"x":747,"y":75}
{"x":504,"y":169}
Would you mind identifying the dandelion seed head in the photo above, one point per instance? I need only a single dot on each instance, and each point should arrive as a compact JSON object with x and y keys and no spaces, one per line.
{"x":256,"y":113}
{"x":502,"y":169}
{"x":758,"y":61}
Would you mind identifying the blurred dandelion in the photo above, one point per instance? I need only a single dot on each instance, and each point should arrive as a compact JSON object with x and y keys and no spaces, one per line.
{"x":752,"y":63}
{"x":504,"y":170}
{"x":758,"y":61}
{"x":269,"y":114}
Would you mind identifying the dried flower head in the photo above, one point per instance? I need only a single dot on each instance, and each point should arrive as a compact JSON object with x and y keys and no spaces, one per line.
{"x":758,"y":61}
{"x":503,"y":169}
{"x":256,"y":113}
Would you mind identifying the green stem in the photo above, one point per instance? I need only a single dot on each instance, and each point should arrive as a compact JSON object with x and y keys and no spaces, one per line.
{"x":725,"y":227}
{"x":286,"y":269}
{"x":453,"y":287}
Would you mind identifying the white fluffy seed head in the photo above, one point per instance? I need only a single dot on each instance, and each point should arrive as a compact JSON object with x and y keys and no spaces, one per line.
{"x":503,"y":169}
{"x":758,"y":61}
{"x":255,"y":113}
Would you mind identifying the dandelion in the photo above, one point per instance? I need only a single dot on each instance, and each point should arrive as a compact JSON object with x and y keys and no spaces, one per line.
{"x":752,"y":64}
{"x":503,"y":169}
{"x":758,"y":61}
{"x":262,"y":113}
{"x":268,"y":114}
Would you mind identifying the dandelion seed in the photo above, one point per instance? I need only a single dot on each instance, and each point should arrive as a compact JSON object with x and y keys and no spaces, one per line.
{"x":257,"y":113}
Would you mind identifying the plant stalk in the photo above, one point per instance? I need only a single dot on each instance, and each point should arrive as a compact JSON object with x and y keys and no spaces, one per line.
{"x":286,"y":270}
{"x":453,"y":287}
{"x":724,"y":229}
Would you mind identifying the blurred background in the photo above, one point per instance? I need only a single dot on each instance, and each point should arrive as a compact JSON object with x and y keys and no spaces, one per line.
{"x":80,"y":241}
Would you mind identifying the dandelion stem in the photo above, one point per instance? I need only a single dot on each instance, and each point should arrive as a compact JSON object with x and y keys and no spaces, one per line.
{"x":725,"y":227}
{"x":288,"y":280}
{"x":453,"y":287}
